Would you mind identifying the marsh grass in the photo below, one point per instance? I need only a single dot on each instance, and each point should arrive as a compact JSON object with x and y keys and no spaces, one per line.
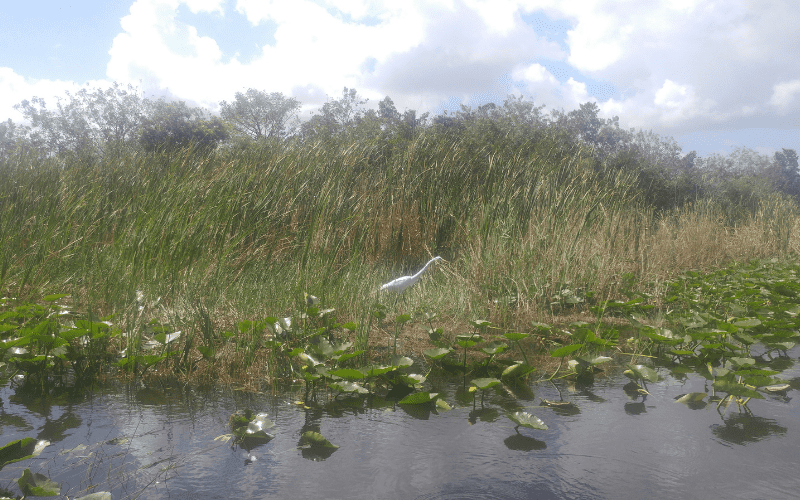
{"x":247,"y":232}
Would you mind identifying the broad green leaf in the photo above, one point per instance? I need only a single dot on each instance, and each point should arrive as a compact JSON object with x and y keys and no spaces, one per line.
{"x":418,"y":398}
{"x":437,"y":353}
{"x":494,"y":348}
{"x":642,"y":372}
{"x":736,"y":389}
{"x":315,"y":439}
{"x":348,"y":373}
{"x":691,"y":397}
{"x":401,"y":361}
{"x":565,"y":350}
{"x":402,"y":318}
{"x":100,"y":495}
{"x":517,"y":370}
{"x":515,"y":337}
{"x":37,"y":485}
{"x":344,"y":357}
{"x":525,"y":419}
{"x":17,"y":450}
{"x":347,"y":386}
{"x":413,"y":379}
{"x":747,"y":322}
{"x":54,"y":297}
{"x":375,"y":371}
{"x":484,"y":383}
{"x":207,"y":352}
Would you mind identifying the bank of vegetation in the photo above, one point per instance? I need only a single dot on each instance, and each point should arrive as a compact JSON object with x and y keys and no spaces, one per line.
{"x":194,"y":238}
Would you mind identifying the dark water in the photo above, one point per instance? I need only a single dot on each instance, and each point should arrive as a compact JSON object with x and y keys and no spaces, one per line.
{"x":160,"y":443}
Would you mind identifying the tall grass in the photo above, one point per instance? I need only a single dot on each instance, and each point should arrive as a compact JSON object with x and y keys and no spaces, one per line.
{"x":244,"y":233}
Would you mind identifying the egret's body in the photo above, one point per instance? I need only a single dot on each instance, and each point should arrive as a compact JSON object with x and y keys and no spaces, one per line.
{"x":399,"y":285}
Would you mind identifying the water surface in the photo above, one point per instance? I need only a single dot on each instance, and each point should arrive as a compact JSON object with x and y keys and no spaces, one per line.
{"x":159,"y":442}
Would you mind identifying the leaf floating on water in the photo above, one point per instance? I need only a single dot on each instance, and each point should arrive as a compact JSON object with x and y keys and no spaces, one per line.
{"x":484,"y":383}
{"x":348,"y":374}
{"x":437,"y":353}
{"x":17,"y":450}
{"x":442,"y":404}
{"x":418,"y":398}
{"x":349,"y":387}
{"x":517,"y":370}
{"x":100,"y":495}
{"x":692,"y":397}
{"x":315,"y":439}
{"x":37,"y":485}
{"x":525,"y":419}
{"x":562,"y":404}
{"x":777,"y":388}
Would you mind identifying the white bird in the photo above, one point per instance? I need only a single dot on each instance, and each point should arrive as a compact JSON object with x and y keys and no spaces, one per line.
{"x":400,"y":284}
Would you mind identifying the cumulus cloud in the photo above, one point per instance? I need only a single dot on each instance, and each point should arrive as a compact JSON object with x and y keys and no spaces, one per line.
{"x":671,"y":65}
{"x":786,"y":96}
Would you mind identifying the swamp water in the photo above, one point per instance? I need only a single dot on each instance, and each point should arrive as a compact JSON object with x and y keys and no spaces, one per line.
{"x":162,"y":443}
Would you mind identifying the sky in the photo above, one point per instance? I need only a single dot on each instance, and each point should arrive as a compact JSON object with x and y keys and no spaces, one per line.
{"x":715,"y":75}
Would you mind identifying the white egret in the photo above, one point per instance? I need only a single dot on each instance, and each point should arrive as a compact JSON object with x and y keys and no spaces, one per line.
{"x":399,"y":285}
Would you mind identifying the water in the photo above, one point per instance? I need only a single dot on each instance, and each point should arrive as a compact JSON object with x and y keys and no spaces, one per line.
{"x":160,"y":443}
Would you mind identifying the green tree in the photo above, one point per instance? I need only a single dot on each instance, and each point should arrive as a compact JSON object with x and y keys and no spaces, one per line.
{"x":258,"y":114}
{"x":86,"y":121}
{"x":336,"y":116}
{"x":173,"y":124}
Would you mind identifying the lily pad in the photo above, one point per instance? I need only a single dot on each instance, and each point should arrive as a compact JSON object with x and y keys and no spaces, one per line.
{"x":37,"y":485}
{"x":692,"y":397}
{"x":315,"y":439}
{"x":517,"y":370}
{"x":100,"y":495}
{"x":484,"y":383}
{"x":418,"y":398}
{"x":525,"y":419}
{"x":437,"y":353}
{"x":347,"y":386}
{"x":563,"y":351}
{"x":641,"y":372}
{"x":348,"y":374}
{"x":20,"y":450}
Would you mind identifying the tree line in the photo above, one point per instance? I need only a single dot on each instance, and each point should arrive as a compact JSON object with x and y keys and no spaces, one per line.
{"x":101,"y":122}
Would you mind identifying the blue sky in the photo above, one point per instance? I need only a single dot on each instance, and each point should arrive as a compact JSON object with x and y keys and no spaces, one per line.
{"x":714,"y":74}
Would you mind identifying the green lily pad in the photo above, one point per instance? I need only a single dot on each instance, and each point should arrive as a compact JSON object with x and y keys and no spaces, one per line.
{"x":37,"y":485}
{"x":525,"y":419}
{"x":348,"y":374}
{"x":413,"y":379}
{"x":736,"y":389}
{"x":437,"y":353}
{"x":315,"y":439}
{"x":517,"y":370}
{"x":100,"y":495}
{"x":563,"y":351}
{"x":515,"y":337}
{"x":402,"y":361}
{"x":20,"y":450}
{"x":484,"y":383}
{"x":418,"y":398}
{"x":637,"y":372}
{"x":350,"y":387}
{"x":692,"y":397}
{"x":494,"y":348}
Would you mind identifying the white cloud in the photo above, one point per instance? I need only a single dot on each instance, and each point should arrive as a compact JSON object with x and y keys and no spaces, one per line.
{"x":786,"y":95}
{"x":673,"y":65}
{"x":15,"y":88}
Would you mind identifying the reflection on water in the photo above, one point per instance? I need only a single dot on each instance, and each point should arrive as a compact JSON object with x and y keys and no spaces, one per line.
{"x":602,"y":442}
